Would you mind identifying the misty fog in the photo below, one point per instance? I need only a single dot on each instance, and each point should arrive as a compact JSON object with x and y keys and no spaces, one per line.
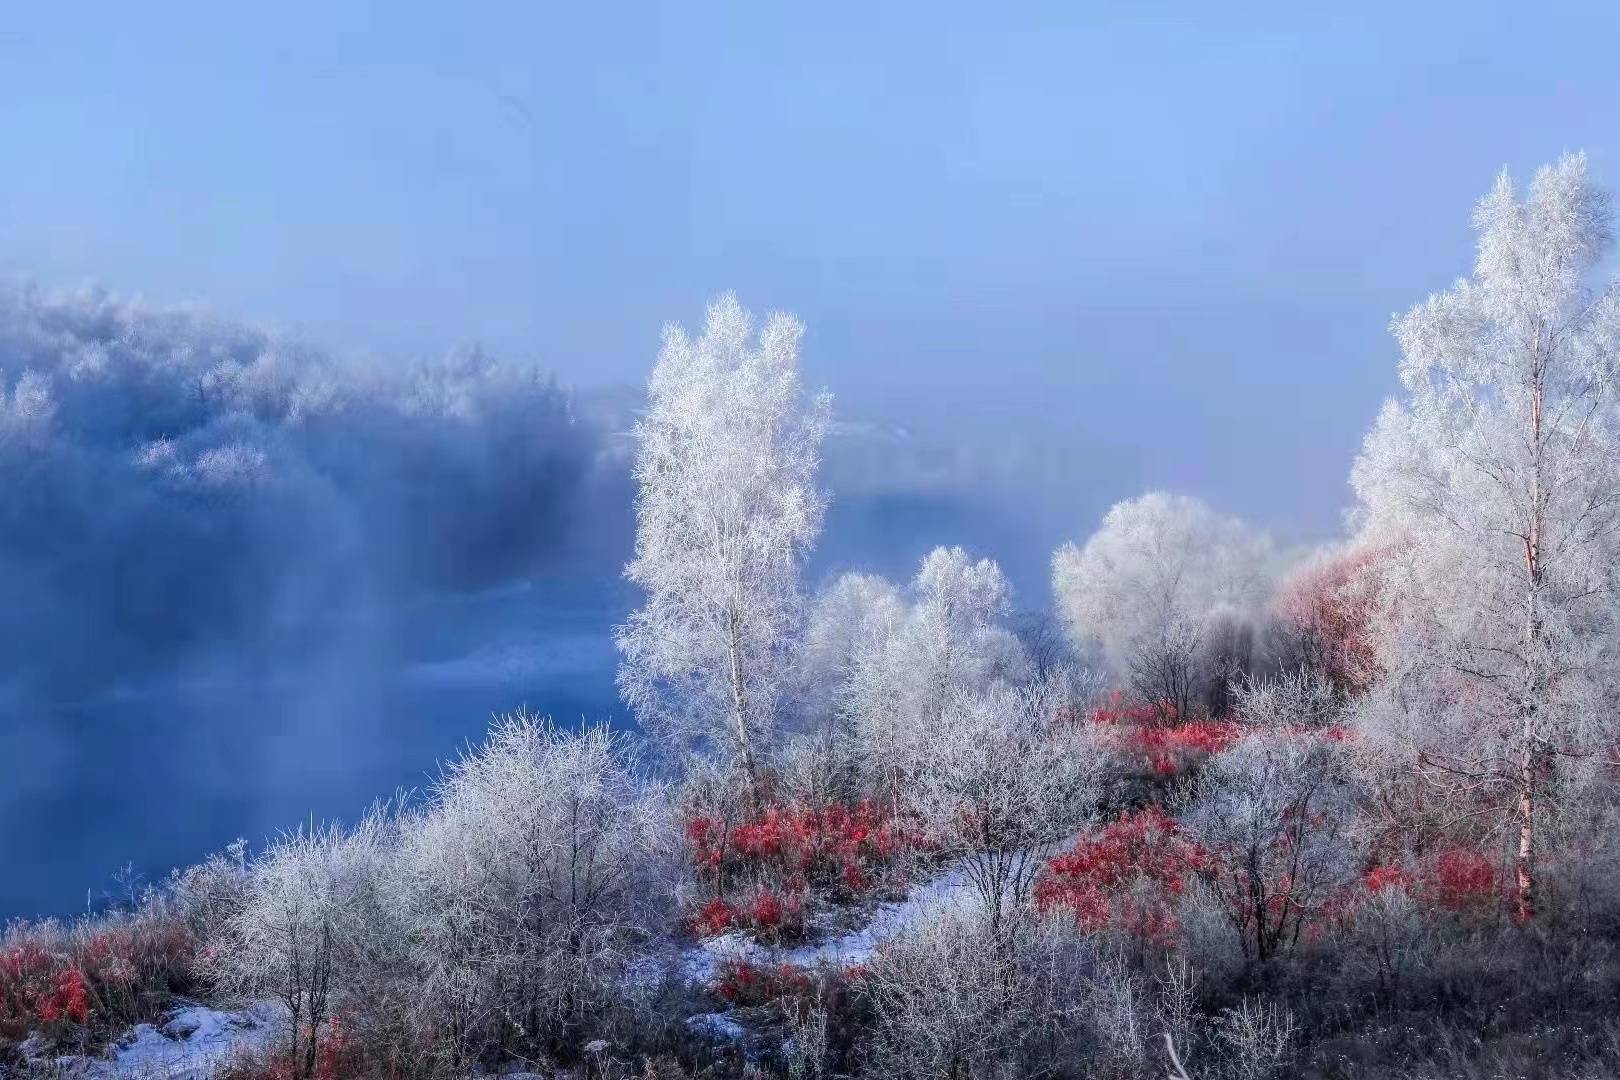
{"x":248,"y":581}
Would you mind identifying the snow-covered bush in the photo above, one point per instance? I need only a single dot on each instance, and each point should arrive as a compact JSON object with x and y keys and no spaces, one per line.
{"x":960,"y":996}
{"x":884,"y":665}
{"x":1388,"y":936}
{"x":1299,"y":700}
{"x":205,"y":895}
{"x":1258,"y":1037}
{"x":529,"y":883}
{"x":1272,"y":817}
{"x":310,"y":926}
{"x":1119,"y":1013}
{"x":1002,"y":779}
{"x":1209,"y":939}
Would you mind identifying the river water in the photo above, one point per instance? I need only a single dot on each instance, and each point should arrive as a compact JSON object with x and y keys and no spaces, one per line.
{"x":156,"y":774}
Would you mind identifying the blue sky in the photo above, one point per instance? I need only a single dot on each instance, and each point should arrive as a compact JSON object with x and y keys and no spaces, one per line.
{"x":1166,"y":244}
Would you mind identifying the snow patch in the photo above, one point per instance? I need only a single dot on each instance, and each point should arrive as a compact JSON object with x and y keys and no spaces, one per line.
{"x":948,"y":891}
{"x":190,"y":1044}
{"x":718,"y":1025}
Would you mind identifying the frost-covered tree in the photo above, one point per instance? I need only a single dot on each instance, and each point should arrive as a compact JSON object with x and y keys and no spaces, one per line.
{"x":1500,"y":470}
{"x":726,"y":509}
{"x":957,"y":602}
{"x":954,"y":640}
{"x":885,"y":664}
{"x":852,"y":624}
{"x":1143,"y":590}
{"x":1296,"y":700}
{"x":1323,"y":613}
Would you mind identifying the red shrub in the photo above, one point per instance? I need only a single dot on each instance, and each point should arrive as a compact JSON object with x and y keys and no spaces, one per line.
{"x":775,"y":916}
{"x":69,"y":999}
{"x":112,"y":975}
{"x":789,"y":852}
{"x":1386,"y":876}
{"x":766,"y":912}
{"x":1462,"y":881}
{"x":763,"y":838}
{"x":768,"y":915}
{"x":708,"y":840}
{"x":748,"y":986}
{"x":715,"y":918}
{"x":1168,"y":749}
{"x":853,"y":879}
{"x":1457,"y":881}
{"x":27,"y":980}
{"x":1123,"y":876}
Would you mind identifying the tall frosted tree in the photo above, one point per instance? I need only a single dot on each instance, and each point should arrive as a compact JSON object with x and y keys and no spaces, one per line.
{"x":1499,"y":469}
{"x":726,"y":510}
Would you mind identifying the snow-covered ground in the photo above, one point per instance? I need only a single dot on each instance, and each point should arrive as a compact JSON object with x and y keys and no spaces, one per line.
{"x":948,"y":890}
{"x":190,"y":1044}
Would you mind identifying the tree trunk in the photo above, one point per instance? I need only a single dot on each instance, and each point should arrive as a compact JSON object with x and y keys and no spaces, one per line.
{"x":1524,"y":876}
{"x":739,"y":715}
{"x":1524,"y":880}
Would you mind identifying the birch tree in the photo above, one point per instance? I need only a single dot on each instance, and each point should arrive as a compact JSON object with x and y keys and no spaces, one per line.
{"x":726,"y":510}
{"x":1500,"y":470}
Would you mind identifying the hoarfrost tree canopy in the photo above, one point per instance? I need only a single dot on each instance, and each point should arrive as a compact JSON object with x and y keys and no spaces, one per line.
{"x":726,"y":510}
{"x":1500,"y":469}
{"x":852,"y":624}
{"x":954,"y":639}
{"x":885,"y":664}
{"x":1144,"y":590}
